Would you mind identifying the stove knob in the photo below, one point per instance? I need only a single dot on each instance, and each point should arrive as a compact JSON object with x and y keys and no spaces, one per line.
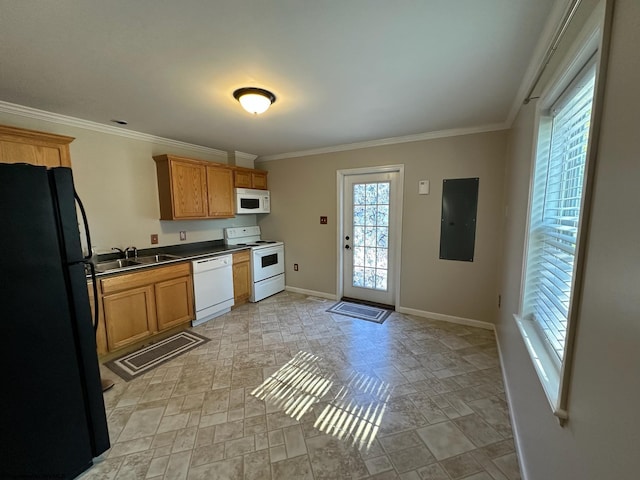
{"x":347,"y":247}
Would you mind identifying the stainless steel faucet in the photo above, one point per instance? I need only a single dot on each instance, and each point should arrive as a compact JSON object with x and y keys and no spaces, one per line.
{"x":119,"y":250}
{"x":131,"y":249}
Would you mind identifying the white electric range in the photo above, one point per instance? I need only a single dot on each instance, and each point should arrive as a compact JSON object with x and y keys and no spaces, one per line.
{"x":267,"y":260}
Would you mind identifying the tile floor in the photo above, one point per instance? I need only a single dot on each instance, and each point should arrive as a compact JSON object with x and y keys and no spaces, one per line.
{"x":425,"y":401}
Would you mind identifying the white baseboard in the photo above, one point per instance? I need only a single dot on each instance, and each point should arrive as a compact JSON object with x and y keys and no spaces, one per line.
{"x":313,"y":293}
{"x":514,"y":425}
{"x":447,"y":318}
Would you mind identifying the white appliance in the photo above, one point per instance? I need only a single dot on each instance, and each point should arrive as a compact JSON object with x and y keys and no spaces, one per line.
{"x":249,"y":200}
{"x":267,"y":260}
{"x":213,"y":287}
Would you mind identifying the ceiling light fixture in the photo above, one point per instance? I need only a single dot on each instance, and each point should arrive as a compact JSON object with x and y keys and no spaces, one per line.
{"x":254,"y":100}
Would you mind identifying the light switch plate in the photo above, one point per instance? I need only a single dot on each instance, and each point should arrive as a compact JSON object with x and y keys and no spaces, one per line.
{"x":423,"y":187}
{"x":183,"y":235}
{"x":154,"y":239}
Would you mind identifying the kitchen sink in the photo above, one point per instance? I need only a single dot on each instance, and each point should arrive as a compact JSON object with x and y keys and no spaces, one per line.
{"x":115,"y":264}
{"x":157,"y":258}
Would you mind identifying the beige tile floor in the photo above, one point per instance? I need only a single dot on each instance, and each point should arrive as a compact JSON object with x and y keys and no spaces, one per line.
{"x":419,"y":399}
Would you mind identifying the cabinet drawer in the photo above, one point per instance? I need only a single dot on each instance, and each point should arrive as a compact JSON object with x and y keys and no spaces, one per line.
{"x":144,"y":277}
{"x":240,"y":257}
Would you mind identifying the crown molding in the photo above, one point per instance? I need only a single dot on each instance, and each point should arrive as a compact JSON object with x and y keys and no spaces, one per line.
{"x":388,"y":141}
{"x":21,"y":110}
{"x":246,"y":156}
{"x":544,"y":42}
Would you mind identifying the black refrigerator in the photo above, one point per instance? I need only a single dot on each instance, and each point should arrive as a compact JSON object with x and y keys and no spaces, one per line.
{"x":52,"y":416}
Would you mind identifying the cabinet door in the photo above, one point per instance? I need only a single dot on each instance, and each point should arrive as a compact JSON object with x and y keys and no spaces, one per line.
{"x":259,"y":180}
{"x":19,"y":145}
{"x":189,"y":189}
{"x":101,"y":333}
{"x":130,"y":316}
{"x":33,"y":154}
{"x":241,"y":277}
{"x":174,"y":302}
{"x":220,"y":192}
{"x":242,"y":178}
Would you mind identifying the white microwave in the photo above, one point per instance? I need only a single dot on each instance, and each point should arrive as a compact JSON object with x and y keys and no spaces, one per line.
{"x":249,"y":200}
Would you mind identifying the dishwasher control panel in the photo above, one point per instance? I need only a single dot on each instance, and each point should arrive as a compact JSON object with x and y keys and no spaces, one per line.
{"x":211,"y":263}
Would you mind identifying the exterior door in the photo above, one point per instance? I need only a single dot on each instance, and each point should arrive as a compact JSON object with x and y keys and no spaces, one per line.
{"x":369,"y":243}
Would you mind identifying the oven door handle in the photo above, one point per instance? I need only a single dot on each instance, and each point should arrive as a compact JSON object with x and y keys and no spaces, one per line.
{"x":263,"y":252}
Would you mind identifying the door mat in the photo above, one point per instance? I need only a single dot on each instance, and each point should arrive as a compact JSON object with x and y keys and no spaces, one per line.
{"x":147,"y":358}
{"x":363,"y":312}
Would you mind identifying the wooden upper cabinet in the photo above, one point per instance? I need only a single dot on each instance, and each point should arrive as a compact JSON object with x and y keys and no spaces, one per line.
{"x":18,"y":145}
{"x":193,"y":189}
{"x":189,"y":188}
{"x":259,"y":180}
{"x":220,"y":192}
{"x":249,"y":178}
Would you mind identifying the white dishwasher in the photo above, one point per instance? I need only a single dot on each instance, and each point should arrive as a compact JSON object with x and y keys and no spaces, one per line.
{"x":213,"y":287}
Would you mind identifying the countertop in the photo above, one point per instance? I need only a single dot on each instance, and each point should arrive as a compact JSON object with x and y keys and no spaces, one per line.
{"x":187,"y":252}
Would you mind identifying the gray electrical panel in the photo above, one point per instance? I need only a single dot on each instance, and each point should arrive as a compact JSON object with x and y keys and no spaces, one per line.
{"x":458,"y":222}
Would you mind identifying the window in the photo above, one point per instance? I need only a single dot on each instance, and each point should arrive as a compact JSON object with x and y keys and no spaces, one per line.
{"x":555,"y":214}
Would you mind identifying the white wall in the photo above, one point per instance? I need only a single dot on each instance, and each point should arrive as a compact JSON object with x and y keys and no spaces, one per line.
{"x":304,"y":188}
{"x":601,"y":438}
{"x":115,"y":177}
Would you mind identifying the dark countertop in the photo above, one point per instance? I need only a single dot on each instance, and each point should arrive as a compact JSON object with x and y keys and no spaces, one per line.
{"x":186,"y":252}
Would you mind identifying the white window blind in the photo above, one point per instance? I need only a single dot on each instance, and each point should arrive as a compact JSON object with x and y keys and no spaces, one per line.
{"x":556,"y":203}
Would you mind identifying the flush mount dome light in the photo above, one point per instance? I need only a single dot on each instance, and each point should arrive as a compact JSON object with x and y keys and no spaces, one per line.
{"x":254,"y":100}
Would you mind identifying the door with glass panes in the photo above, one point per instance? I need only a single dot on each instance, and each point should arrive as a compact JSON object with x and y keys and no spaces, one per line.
{"x":369,"y":222}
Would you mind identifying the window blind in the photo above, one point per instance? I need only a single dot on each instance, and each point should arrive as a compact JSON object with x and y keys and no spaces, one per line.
{"x":556,"y":203}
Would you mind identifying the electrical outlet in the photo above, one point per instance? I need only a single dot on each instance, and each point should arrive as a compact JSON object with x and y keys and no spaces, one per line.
{"x":295,"y":267}
{"x":183,"y":235}
{"x":154,"y":239}
{"x":323,"y":220}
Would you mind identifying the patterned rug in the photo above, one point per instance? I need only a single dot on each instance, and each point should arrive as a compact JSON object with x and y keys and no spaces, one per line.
{"x":363,"y":312}
{"x":147,"y":358}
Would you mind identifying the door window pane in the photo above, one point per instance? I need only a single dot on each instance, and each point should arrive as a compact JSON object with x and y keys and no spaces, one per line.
{"x":371,"y":235}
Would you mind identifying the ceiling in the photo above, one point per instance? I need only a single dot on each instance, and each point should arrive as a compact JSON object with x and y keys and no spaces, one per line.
{"x":343,"y":71}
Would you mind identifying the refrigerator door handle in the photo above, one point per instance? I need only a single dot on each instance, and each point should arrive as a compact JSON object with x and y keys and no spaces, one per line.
{"x":88,"y":261}
{"x":96,"y":304}
{"x":86,"y":225}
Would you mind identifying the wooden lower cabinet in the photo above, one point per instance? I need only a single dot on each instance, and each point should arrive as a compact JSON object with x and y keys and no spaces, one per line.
{"x":241,"y":277}
{"x":130,"y":316}
{"x":140,"y":304}
{"x":174,"y":302}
